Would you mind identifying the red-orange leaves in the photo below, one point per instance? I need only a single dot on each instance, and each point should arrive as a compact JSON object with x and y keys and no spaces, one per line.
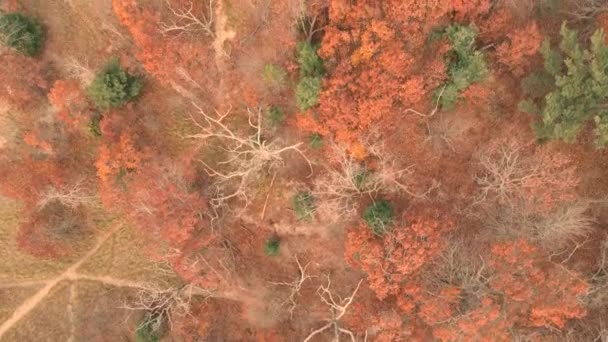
{"x":115,"y":159}
{"x":170,"y":59}
{"x":522,"y":45}
{"x":390,"y":259}
{"x":70,"y":102}
{"x":549,"y":292}
{"x":161,"y":205}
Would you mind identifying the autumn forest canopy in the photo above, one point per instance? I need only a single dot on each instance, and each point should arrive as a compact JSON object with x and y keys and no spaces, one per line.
{"x":313,"y":170}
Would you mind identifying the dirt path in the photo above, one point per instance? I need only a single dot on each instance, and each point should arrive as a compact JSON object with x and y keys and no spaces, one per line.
{"x":70,"y":310}
{"x":70,"y":273}
{"x":222,"y":34}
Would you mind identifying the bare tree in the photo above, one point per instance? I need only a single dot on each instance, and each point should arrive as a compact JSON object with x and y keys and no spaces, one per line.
{"x":248,"y":156}
{"x":70,"y":196}
{"x":564,"y":226}
{"x":185,"y":21}
{"x":78,"y":70}
{"x":341,"y":187}
{"x":504,"y":174}
{"x":338,"y":307}
{"x":587,"y":9}
{"x":163,"y":305}
{"x":295,"y":286}
{"x":308,"y":25}
{"x":531,"y":195}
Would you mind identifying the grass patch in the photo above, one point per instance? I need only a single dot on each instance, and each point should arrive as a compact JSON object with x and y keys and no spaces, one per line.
{"x":379,"y":216}
{"x":275,"y":116}
{"x":315,"y":141}
{"x":272,"y":246}
{"x":303,"y":205}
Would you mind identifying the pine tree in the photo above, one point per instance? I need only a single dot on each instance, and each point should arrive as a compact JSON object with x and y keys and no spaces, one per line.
{"x":581,"y":89}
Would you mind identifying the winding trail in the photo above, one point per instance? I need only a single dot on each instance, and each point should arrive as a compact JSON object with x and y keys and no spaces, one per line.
{"x":70,"y":273}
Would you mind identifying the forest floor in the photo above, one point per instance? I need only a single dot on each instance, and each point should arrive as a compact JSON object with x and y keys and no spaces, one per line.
{"x":79,"y":297}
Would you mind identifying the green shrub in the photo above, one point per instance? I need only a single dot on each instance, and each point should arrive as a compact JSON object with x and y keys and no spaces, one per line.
{"x":307,"y":92}
{"x":272,"y":246}
{"x":310,"y":63}
{"x":275,"y":115}
{"x":379,"y":216}
{"x":579,"y":91}
{"x":145,"y":332}
{"x":466,"y":64}
{"x":361,"y":178}
{"x":21,"y":33}
{"x":94,"y":127}
{"x":275,"y":77}
{"x":315,"y":141}
{"x":311,"y":74}
{"x":303,"y":205}
{"x":114,"y":86}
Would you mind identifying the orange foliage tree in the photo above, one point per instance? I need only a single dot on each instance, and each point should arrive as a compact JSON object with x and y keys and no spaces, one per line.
{"x":398,"y":254}
{"x":521,"y":45}
{"x":171,"y":60}
{"x":47,"y":162}
{"x":382,"y":61}
{"x":520,"y":289}
{"x":70,"y":102}
{"x":538,"y":293}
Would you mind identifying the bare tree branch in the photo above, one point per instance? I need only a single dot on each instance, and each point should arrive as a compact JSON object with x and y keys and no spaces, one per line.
{"x":295,"y":286}
{"x":338,"y":307}
{"x":247,"y":156}
{"x":186,"y":22}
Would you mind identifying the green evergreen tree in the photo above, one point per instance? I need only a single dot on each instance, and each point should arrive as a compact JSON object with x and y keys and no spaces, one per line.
{"x":307,"y":92}
{"x":114,"y":86}
{"x":379,"y":216}
{"x":580,"y":90}
{"x":466,"y":64}
{"x":21,"y":33}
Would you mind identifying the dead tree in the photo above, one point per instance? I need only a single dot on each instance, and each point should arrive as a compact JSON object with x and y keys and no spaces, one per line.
{"x":587,"y":9}
{"x":426,"y":117}
{"x":185,"y":21}
{"x":163,"y":305}
{"x":295,"y":287}
{"x":505,"y":174}
{"x":308,"y":26}
{"x":337,"y":308}
{"x":71,"y":196}
{"x":79,"y":71}
{"x":248,"y":156}
{"x":342,"y":186}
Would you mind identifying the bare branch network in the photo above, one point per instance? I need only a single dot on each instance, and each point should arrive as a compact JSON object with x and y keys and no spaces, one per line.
{"x":69,"y":196}
{"x":248,"y":156}
{"x":588,"y":9}
{"x":185,"y":21}
{"x":162,"y":305}
{"x":338,"y":307}
{"x":295,"y":287}
{"x":342,"y":186}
